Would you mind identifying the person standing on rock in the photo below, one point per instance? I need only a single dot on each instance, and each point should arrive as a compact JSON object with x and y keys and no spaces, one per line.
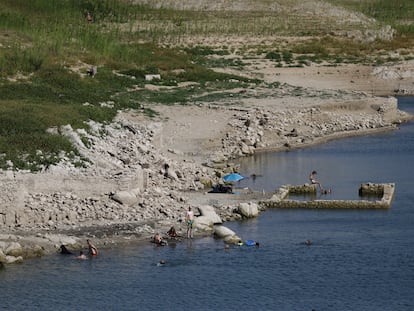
{"x":93,"y":250}
{"x":189,"y":218}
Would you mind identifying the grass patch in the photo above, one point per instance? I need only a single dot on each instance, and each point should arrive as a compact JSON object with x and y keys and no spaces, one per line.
{"x":23,"y":139}
{"x":397,"y":13}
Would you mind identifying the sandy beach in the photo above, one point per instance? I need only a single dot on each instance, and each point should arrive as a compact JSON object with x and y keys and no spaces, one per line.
{"x":146,"y":171}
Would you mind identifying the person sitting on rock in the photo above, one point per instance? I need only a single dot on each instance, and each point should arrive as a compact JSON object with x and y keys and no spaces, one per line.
{"x":158,"y":239}
{"x":172,"y":233}
{"x":312,"y":178}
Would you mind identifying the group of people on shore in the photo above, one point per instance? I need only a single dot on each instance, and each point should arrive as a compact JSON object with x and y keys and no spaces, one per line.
{"x":157,"y":239}
{"x":161,"y":240}
{"x":172,"y":233}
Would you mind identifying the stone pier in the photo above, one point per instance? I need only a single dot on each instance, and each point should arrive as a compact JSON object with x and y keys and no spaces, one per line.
{"x":385,"y":193}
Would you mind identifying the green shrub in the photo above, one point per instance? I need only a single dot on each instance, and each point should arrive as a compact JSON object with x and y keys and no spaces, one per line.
{"x":274,"y":55}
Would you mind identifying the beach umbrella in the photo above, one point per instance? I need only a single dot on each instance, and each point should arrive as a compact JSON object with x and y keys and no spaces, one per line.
{"x":232,"y":177}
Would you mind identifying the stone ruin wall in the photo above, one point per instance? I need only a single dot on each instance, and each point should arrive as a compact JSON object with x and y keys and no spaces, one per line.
{"x":31,"y":199}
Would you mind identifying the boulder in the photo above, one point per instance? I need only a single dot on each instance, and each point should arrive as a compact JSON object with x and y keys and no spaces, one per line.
{"x":2,"y":257}
{"x":210,"y":213}
{"x":13,"y":259}
{"x":34,"y":251}
{"x":232,"y":239}
{"x":126,"y":197}
{"x":203,"y":223}
{"x":222,"y":232}
{"x":150,"y":77}
{"x":172,"y":175}
{"x":248,"y":210}
{"x":59,"y":239}
{"x":208,"y":219}
{"x":14,"y":249}
{"x":227,"y":234}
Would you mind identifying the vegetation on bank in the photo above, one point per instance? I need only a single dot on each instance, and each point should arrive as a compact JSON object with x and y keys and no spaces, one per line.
{"x":47,"y":46}
{"x":397,"y":13}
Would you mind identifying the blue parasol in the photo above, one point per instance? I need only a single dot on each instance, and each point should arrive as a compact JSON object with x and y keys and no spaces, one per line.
{"x":232,"y":177}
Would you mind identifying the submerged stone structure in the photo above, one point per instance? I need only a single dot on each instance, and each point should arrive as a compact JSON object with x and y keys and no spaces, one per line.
{"x":384,"y":192}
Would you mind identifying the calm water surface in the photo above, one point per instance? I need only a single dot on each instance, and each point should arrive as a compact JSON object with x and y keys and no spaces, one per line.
{"x":341,"y":165}
{"x":359,"y":259}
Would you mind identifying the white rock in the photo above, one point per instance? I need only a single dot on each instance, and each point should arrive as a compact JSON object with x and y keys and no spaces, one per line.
{"x":14,"y":249}
{"x":3,"y":258}
{"x":248,"y":210}
{"x":209,"y":212}
{"x":223,"y":232}
{"x":59,"y":239}
{"x":13,"y":259}
{"x":204,"y":223}
{"x":232,"y":239}
{"x":151,"y":77}
{"x":126,"y":197}
{"x":3,"y":245}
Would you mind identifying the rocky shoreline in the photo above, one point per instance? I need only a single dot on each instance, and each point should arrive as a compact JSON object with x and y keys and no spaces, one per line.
{"x":142,"y":173}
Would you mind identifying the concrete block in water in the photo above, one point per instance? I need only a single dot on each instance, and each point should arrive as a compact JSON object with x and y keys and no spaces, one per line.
{"x":302,"y":189}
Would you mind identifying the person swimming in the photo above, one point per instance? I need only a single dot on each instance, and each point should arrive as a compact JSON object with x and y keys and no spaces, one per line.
{"x":326,"y":191}
{"x":81,"y":256}
{"x":157,"y":239}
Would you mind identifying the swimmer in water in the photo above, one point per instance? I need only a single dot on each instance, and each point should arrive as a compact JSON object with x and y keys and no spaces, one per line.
{"x":81,"y":256}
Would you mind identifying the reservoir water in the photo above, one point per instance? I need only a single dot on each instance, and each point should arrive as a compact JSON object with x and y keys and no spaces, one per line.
{"x":358,"y":259}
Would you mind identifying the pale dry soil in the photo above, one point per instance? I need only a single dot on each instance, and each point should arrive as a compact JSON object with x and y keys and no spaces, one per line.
{"x":197,"y":130}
